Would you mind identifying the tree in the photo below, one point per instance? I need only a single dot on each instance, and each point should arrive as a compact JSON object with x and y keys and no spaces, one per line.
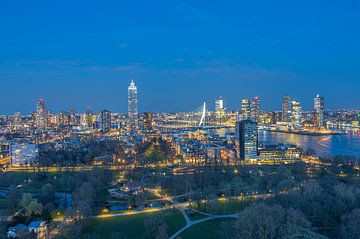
{"x":35,"y":208}
{"x":311,"y":190}
{"x":84,"y":200}
{"x":258,"y":221}
{"x":348,"y":194}
{"x":162,"y":232}
{"x":3,"y":223}
{"x":155,"y":227}
{"x":26,"y":200}
{"x":14,"y":197}
{"x":261,"y":221}
{"x":48,"y":193}
{"x":350,"y":225}
{"x":30,"y":205}
{"x":115,"y":235}
{"x":293,"y":222}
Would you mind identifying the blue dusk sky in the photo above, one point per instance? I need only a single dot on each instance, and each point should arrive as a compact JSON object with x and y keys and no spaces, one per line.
{"x":77,"y":54}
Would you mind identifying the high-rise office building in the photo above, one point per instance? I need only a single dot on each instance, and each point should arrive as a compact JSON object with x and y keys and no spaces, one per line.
{"x":41,"y":115}
{"x":319,"y":108}
{"x":246,"y":139}
{"x":105,"y":120}
{"x":89,"y":123}
{"x":286,"y":108}
{"x":296,"y":114}
{"x":133,"y":105}
{"x":219,"y":110}
{"x":64,"y":118}
{"x":132,"y":100}
{"x":255,"y":108}
{"x":245,"y":109}
{"x":219,"y":106}
{"x":73,"y":118}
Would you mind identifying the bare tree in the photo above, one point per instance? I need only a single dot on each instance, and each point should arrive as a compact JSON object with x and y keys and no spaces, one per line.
{"x":350,"y":226}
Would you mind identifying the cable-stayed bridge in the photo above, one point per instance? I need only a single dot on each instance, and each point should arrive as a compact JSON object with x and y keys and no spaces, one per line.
{"x":200,"y":118}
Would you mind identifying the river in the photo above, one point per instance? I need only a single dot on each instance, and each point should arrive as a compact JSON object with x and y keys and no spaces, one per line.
{"x":344,"y":144}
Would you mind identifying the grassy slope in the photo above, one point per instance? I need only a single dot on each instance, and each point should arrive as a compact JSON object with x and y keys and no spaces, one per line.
{"x":132,"y":226}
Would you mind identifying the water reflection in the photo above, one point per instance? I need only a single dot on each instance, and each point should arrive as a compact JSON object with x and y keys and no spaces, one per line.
{"x":345,"y":144}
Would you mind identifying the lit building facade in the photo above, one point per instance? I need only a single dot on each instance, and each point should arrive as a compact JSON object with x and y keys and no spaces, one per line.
{"x":133,"y":104}
{"x":219,"y":106}
{"x":41,"y":115}
{"x":319,"y":108}
{"x":105,"y":120}
{"x":296,"y":114}
{"x":286,"y":108}
{"x":245,"y":109}
{"x":147,"y":120}
{"x":23,"y":153}
{"x":219,"y":110}
{"x":246,"y":140}
{"x":255,"y":108}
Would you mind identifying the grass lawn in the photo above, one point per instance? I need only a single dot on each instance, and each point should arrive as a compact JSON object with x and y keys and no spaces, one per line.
{"x":208,"y":230}
{"x":4,"y":204}
{"x":195,"y":216}
{"x":132,"y":226}
{"x":223,"y":206}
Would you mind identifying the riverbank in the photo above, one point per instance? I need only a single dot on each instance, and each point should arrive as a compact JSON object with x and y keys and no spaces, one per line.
{"x":310,"y":133}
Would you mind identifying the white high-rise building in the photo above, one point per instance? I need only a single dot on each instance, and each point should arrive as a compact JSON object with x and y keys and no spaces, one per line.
{"x":219,"y":106}
{"x":133,"y":104}
{"x":296,"y":114}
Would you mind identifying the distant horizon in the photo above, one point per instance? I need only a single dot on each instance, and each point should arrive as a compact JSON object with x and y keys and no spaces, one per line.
{"x":210,"y":108}
{"x":180,"y":53}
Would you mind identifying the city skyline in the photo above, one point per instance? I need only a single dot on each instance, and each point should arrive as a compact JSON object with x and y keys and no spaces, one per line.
{"x":238,"y":50}
{"x":132,"y":108}
{"x":179,"y":119}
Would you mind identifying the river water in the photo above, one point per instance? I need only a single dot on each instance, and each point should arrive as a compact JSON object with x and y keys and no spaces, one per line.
{"x":344,"y":144}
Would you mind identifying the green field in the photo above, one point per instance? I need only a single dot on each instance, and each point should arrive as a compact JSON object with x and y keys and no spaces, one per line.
{"x":208,"y":230}
{"x":132,"y":226}
{"x":222,"y":206}
{"x":3,"y":204}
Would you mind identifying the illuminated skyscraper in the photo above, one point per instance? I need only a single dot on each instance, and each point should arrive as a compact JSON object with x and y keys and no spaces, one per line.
{"x":245,"y":109}
{"x":296,"y":114}
{"x":286,"y":108}
{"x":219,"y":110}
{"x":105,"y":120}
{"x":219,"y":106}
{"x":246,"y":140}
{"x":133,"y":104}
{"x":319,"y":107}
{"x":41,"y":115}
{"x":89,"y":118}
{"x":255,"y":108}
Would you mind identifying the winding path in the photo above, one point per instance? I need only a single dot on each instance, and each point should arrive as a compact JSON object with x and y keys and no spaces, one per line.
{"x":190,"y":223}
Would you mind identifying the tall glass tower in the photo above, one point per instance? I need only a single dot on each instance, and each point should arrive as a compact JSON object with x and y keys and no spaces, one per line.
{"x":133,"y":104}
{"x":286,"y":108}
{"x":246,"y":143}
{"x":245,"y":109}
{"x":41,"y":115}
{"x":319,"y":108}
{"x":296,"y":114}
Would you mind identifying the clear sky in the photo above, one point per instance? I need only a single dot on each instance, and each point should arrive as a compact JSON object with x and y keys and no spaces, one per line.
{"x":180,"y":53}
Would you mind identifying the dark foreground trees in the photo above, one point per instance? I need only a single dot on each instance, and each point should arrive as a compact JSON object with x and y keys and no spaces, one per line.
{"x":261,"y":221}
